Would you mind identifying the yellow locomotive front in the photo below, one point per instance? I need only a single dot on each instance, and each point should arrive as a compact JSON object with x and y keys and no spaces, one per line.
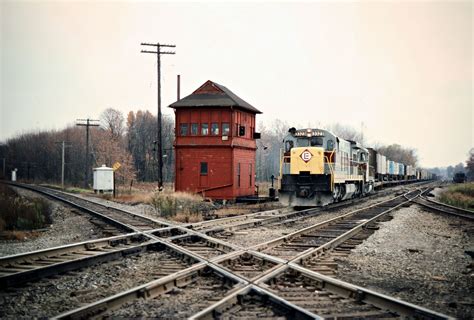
{"x":318,"y":168}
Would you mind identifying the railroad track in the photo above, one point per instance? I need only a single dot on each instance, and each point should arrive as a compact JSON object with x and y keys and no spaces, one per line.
{"x":290,"y":246}
{"x":444,"y":208}
{"x":268,"y":218}
{"x":25,"y":267}
{"x":293,"y":292}
{"x":260,"y":286}
{"x":88,"y":285}
{"x":323,"y":259}
{"x":226,"y":281}
{"x":112,"y":220}
{"x":307,"y":292}
{"x":198,"y":291}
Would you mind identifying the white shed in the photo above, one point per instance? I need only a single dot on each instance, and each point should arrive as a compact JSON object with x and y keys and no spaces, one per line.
{"x":103,"y":179}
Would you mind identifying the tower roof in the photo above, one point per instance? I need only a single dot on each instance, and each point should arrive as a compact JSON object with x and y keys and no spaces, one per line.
{"x":212,"y":94}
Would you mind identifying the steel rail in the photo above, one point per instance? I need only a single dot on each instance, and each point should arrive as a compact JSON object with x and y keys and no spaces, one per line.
{"x":242,"y":222}
{"x":25,"y":267}
{"x":153,"y":288}
{"x":292,"y":311}
{"x":61,"y":196}
{"x":334,"y":286}
{"x":286,"y":238}
{"x":445,"y":208}
{"x":347,"y":235}
{"x":159,"y":222}
{"x":380,"y":300}
{"x":213,"y":263}
{"x":357,"y":293}
{"x":164,"y":285}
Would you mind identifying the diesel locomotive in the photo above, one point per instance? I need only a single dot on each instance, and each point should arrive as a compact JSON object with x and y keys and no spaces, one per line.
{"x":317,"y":168}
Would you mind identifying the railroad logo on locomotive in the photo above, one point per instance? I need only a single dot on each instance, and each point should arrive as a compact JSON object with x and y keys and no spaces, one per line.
{"x":306,"y":155}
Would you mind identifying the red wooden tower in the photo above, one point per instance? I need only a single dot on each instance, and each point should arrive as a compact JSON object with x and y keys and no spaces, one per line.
{"x":215,"y":143}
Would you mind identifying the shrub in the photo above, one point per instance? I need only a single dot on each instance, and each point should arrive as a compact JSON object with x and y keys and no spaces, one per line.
{"x":180,"y":206}
{"x":461,"y":195}
{"x":20,"y":213}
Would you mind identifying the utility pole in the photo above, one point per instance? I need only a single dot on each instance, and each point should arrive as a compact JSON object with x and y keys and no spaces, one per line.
{"x":62,"y":162}
{"x":179,"y":87}
{"x":158,"y":53}
{"x":62,"y":166}
{"x":87,"y":123}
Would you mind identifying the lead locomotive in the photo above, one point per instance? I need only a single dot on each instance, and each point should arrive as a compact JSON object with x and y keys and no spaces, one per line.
{"x":318,"y":168}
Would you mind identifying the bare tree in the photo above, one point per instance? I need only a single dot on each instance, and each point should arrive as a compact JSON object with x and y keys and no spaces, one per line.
{"x":470,"y":165}
{"x":400,"y":154}
{"x":141,"y":135}
{"x":113,"y":121}
{"x":459,"y":168}
{"x":268,"y":149}
{"x":346,"y":132}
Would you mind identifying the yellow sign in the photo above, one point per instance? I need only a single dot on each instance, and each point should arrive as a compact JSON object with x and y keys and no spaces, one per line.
{"x":116,"y":166}
{"x":307,"y":159}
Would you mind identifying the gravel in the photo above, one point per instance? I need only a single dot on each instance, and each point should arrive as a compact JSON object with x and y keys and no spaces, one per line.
{"x":50,"y":297}
{"x":142,"y":208}
{"x":68,"y":226}
{"x":253,"y":236}
{"x":419,"y":257}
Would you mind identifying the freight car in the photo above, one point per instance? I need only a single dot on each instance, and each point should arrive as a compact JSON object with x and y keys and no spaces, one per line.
{"x":387,"y":171}
{"x":317,"y":168}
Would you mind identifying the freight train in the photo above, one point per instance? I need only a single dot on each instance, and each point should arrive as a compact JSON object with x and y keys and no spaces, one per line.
{"x":317,"y":168}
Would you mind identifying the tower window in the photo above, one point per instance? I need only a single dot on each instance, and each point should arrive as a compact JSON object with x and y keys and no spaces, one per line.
{"x":214,"y":128}
{"x":194,"y":129}
{"x":183,"y":129}
{"x":204,"y":129}
{"x":225,"y":129}
{"x":203,"y":168}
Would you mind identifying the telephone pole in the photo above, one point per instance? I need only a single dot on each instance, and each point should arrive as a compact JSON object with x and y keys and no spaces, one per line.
{"x":87,"y":123}
{"x":64,"y":145}
{"x":158,"y":53}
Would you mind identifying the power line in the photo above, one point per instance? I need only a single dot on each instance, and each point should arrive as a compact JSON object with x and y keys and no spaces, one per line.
{"x":158,"y":53}
{"x":87,"y":123}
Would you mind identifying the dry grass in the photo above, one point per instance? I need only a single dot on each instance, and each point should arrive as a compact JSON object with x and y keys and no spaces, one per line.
{"x":461,"y":195}
{"x":141,"y":192}
{"x":187,"y":217}
{"x":180,"y":206}
{"x":131,"y":199}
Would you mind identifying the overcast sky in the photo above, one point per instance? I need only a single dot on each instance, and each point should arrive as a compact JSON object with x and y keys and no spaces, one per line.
{"x":404,"y":69}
